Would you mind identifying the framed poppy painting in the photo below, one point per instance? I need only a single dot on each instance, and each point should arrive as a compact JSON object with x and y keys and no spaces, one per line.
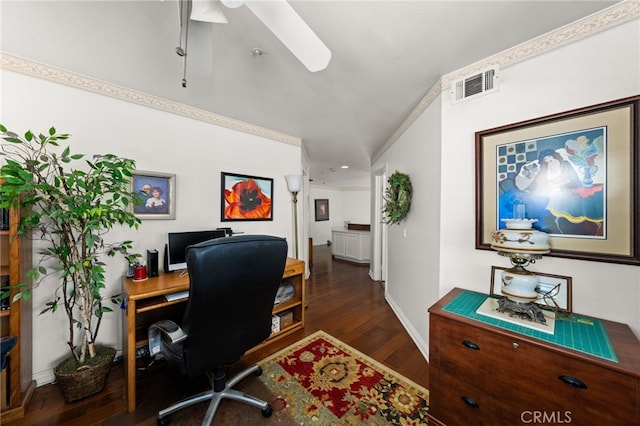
{"x":246,"y":197}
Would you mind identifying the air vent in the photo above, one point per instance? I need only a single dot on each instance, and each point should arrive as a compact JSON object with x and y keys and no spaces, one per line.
{"x":475,"y":85}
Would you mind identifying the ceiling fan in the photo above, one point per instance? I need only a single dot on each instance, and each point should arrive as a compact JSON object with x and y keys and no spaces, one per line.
{"x":277,"y":15}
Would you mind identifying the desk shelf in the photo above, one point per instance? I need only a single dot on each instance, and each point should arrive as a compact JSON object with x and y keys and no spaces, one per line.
{"x":146,"y":304}
{"x":286,"y":306}
{"x":294,"y":275}
{"x":157,"y":302}
{"x":286,"y":330}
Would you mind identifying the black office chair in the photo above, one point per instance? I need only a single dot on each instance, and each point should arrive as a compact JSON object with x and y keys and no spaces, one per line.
{"x":233,"y":286}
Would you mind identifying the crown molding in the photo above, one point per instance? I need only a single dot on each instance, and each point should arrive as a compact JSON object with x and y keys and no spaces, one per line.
{"x":613,"y":16}
{"x":625,"y":11}
{"x":424,"y":103}
{"x":78,"y":81}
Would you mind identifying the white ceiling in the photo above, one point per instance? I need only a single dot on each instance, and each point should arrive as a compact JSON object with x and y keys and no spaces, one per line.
{"x":386,"y":55}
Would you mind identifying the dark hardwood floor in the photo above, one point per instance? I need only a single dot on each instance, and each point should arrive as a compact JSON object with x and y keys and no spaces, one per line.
{"x":342,"y":301}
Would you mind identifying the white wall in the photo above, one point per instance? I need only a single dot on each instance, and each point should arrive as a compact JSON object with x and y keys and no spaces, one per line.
{"x":320,"y":231}
{"x":587,"y":72}
{"x":348,"y":204}
{"x":413,"y":245}
{"x":355,"y":205}
{"x":159,"y":141}
{"x":431,"y":260}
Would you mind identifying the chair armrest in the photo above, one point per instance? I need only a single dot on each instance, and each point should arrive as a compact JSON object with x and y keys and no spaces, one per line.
{"x":169,"y":329}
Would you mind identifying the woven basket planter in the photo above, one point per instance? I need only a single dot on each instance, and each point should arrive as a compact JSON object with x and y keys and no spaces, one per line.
{"x":87,"y":380}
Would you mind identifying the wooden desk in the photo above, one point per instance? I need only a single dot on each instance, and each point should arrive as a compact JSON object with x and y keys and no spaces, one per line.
{"x":145,"y":304}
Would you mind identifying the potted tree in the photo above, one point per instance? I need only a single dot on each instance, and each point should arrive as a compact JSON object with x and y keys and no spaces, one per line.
{"x":70,"y":208}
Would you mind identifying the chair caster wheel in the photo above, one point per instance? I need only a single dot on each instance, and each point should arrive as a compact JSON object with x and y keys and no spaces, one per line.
{"x":258,"y":371}
{"x":267,"y":412}
{"x":164,"y":421}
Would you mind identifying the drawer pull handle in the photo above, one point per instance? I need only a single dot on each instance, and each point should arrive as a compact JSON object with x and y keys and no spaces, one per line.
{"x":570,"y":380}
{"x":470,"y":402}
{"x":471,"y":345}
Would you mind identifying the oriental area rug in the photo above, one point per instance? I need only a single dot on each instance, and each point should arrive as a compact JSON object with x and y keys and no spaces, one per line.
{"x":321,"y":381}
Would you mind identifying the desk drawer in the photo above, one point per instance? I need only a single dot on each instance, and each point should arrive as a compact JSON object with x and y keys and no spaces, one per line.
{"x":456,"y":402}
{"x":474,"y":354}
{"x":509,"y":377}
{"x":593,"y":394}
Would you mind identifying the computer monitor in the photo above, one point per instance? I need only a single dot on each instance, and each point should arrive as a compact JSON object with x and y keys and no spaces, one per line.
{"x":177,"y":243}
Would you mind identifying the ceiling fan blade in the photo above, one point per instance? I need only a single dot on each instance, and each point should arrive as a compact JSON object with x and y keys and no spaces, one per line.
{"x":292,"y":31}
{"x":207,"y":11}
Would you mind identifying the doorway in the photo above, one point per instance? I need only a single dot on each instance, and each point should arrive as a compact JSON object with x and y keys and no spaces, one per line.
{"x":378,"y":270}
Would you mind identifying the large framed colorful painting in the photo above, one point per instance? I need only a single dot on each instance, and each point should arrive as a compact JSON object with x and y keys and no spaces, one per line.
{"x":246,"y":197}
{"x":575,"y":173}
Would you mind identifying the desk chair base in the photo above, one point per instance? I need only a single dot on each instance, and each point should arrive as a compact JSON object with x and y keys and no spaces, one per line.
{"x":216,"y":398}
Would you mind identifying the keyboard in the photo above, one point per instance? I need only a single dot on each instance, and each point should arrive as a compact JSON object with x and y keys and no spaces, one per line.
{"x":177,"y":296}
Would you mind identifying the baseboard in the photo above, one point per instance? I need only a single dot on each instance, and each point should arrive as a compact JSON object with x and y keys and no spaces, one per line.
{"x":44,"y":377}
{"x":413,"y":333}
{"x":18,"y":412}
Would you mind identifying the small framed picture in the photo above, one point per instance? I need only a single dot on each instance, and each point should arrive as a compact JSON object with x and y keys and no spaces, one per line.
{"x":157,"y":192}
{"x":322,"y":210}
{"x":245,"y":198}
{"x":554,"y":290}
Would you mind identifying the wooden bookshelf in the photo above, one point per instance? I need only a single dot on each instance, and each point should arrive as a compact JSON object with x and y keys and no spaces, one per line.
{"x":15,"y":261}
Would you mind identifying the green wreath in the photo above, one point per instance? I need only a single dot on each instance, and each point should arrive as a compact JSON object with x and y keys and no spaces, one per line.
{"x":398,"y":198}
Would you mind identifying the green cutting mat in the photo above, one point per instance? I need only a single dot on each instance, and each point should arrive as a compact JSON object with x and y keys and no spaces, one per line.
{"x":577,"y":332}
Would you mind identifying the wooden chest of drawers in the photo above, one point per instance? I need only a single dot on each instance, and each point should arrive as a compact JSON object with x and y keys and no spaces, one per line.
{"x":484,"y":375}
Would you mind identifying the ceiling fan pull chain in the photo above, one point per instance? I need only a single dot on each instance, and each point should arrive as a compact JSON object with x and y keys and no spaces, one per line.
{"x":184,"y":58}
{"x":184,"y":34}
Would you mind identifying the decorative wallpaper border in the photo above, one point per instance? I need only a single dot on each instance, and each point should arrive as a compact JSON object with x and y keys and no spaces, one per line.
{"x":625,"y":11}
{"x":78,"y":81}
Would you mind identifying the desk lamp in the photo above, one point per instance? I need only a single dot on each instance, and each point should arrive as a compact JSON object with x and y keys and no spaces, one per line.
{"x":294,"y":184}
{"x":523,"y":245}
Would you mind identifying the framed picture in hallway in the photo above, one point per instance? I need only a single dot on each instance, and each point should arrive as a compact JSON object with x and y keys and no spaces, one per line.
{"x":322,"y":209}
{"x":245,"y":198}
{"x":574,"y":173}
